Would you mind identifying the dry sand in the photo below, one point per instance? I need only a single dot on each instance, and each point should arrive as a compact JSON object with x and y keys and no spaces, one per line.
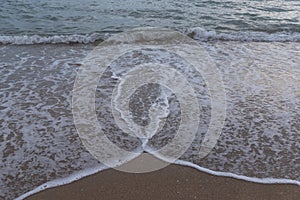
{"x":172,"y":182}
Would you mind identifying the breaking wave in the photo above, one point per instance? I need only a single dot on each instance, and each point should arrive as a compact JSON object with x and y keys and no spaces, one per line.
{"x":196,"y":33}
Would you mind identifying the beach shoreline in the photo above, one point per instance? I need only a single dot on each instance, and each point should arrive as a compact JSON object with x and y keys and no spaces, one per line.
{"x":172,"y":182}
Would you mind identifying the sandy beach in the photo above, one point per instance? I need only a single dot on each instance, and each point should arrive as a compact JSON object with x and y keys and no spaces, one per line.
{"x":172,"y":182}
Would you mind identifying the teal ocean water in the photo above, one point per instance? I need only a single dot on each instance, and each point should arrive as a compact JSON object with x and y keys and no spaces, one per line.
{"x":247,"y":19}
{"x":254,"y":44}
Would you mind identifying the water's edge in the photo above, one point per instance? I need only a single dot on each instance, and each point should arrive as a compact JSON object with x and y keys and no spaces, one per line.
{"x":91,"y":171}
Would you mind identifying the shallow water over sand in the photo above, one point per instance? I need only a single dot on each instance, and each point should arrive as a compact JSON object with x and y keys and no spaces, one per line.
{"x":39,"y":141}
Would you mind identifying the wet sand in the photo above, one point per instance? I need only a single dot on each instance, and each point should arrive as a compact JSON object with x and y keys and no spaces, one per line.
{"x":172,"y":182}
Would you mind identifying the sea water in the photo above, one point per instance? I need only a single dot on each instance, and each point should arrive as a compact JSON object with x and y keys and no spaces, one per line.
{"x":254,"y":44}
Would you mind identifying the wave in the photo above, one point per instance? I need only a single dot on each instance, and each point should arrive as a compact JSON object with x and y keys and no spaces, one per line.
{"x":196,"y":33}
{"x":201,"y":34}
{"x":63,"y":181}
{"x":56,"y":39}
{"x":87,"y":172}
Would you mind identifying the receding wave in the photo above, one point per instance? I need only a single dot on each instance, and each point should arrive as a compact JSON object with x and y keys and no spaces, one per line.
{"x":196,"y":33}
{"x":94,"y":170}
{"x":260,"y":137}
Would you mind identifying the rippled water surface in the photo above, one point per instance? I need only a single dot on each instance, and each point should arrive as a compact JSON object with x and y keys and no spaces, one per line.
{"x":85,"y":17}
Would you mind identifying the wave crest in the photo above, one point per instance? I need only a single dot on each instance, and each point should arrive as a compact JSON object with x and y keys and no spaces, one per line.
{"x":196,"y":33}
{"x":56,"y":39}
{"x":201,"y":34}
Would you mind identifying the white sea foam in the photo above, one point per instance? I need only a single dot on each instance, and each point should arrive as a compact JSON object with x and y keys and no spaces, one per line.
{"x":240,"y":177}
{"x":63,"y":181}
{"x":55,"y":39}
{"x":197,"y":33}
{"x":87,"y":172}
{"x":260,"y":138}
{"x":202,"y":34}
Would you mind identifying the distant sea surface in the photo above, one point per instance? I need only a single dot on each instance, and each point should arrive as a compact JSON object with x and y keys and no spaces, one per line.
{"x":96,"y":18}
